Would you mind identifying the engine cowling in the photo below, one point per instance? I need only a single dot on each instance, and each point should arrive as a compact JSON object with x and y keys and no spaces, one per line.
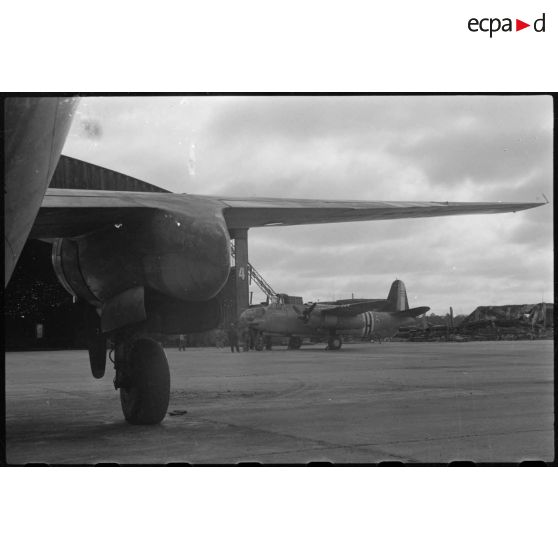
{"x":185,"y":258}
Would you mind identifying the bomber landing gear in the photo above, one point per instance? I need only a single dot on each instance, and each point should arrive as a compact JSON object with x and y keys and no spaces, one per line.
{"x":334,"y":343}
{"x":294,"y":342}
{"x":263,"y":341}
{"x":96,"y":343}
{"x":143,"y":377}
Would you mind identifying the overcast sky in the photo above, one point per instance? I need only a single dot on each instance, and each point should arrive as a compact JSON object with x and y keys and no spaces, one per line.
{"x":455,"y":148}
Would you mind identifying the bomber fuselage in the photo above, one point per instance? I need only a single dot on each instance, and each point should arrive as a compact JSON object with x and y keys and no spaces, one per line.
{"x":290,"y":319}
{"x":35,"y":132}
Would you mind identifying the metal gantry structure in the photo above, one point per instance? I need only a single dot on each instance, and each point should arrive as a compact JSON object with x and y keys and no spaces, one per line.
{"x":253,"y":274}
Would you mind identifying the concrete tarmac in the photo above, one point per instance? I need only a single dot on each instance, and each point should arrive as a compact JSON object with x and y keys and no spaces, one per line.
{"x":368,"y":403}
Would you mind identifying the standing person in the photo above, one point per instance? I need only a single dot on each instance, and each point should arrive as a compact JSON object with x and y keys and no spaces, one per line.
{"x":220,"y":339}
{"x":182,"y":342}
{"x":246,"y":340}
{"x":233,"y":337}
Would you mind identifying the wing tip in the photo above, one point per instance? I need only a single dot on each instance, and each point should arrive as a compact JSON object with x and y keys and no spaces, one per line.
{"x":504,"y":207}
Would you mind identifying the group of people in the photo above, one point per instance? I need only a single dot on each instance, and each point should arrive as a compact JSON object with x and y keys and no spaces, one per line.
{"x":233,"y":336}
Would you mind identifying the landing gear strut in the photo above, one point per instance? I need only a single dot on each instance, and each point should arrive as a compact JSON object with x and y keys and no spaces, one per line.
{"x":268,"y":342}
{"x":294,"y":342}
{"x":143,"y":377}
{"x":96,"y":343}
{"x":263,"y":341}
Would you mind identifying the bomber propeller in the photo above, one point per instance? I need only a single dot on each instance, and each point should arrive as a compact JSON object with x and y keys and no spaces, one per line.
{"x":305,"y":314}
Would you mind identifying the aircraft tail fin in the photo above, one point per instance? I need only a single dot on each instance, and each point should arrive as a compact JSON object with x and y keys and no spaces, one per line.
{"x":397,"y":297}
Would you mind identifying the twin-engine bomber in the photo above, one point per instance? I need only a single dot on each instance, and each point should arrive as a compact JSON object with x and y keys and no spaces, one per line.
{"x":367,"y":320}
{"x":147,"y":262}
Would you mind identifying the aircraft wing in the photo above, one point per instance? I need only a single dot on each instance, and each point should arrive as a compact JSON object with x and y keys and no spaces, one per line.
{"x":72,"y":212}
{"x":354,"y":309}
{"x":261,"y":212}
{"x":68,"y":212}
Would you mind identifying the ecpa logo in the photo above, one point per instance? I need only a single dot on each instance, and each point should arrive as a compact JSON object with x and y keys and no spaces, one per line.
{"x":494,"y":24}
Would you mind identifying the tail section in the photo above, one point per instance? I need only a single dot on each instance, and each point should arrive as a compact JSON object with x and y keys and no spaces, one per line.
{"x":397,"y":297}
{"x":412,"y":312}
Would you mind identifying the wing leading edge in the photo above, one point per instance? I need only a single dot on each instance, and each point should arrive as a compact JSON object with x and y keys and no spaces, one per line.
{"x":263,"y":212}
{"x":66,"y":212}
{"x":354,"y":309}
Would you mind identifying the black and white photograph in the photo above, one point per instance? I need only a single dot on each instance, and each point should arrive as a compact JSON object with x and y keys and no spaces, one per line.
{"x":279,"y":279}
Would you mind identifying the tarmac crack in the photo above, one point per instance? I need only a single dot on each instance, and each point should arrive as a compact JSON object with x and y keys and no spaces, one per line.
{"x":324,"y":443}
{"x":378,"y":448}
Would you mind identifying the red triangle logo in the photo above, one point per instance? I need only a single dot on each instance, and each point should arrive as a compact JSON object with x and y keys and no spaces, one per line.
{"x":519,"y":25}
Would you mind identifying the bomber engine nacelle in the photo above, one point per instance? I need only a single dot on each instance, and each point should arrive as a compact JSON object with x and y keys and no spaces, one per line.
{"x":130,"y":269}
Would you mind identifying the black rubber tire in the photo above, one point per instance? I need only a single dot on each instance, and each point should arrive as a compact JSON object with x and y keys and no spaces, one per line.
{"x":268,"y":342}
{"x":334,"y":343}
{"x":146,"y":401}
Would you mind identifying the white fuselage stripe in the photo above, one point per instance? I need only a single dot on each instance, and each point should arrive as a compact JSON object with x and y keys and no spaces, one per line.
{"x":367,"y":324}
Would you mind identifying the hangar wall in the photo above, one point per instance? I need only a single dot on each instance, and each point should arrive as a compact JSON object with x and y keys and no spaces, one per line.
{"x":73,"y":173}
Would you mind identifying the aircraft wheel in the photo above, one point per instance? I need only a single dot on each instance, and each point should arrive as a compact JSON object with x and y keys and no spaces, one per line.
{"x":268,"y":343}
{"x":259,"y":344}
{"x":145,"y":399}
{"x":334,"y":343}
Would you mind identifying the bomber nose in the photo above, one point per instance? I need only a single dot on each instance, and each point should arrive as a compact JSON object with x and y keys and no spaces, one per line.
{"x":245,"y":319}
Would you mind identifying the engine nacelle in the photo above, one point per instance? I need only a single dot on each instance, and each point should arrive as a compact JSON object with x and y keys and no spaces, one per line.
{"x":184,"y":257}
{"x":187,"y":258}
